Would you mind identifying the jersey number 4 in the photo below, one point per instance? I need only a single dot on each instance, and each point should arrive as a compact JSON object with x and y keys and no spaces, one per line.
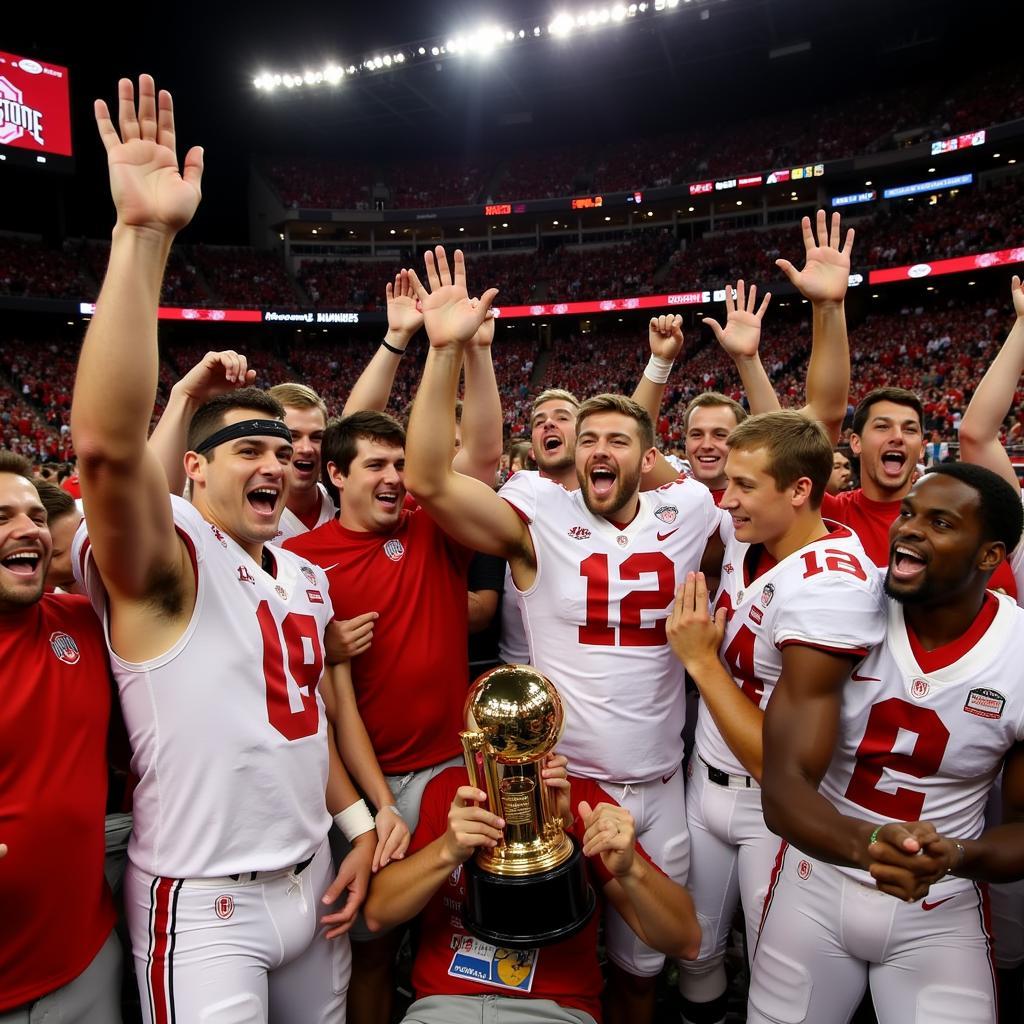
{"x":631,"y":633}
{"x":875,"y":753}
{"x":305,"y":664}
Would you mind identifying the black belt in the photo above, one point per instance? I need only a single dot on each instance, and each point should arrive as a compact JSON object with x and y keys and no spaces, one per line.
{"x":720,"y":778}
{"x":253,"y":875}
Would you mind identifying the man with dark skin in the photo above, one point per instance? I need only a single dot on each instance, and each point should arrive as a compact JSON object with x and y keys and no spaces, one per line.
{"x":851,"y":772}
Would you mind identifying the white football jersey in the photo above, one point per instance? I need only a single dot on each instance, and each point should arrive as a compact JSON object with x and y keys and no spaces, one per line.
{"x":826,"y":595}
{"x":595,"y":620}
{"x":926,"y":743}
{"x":292,"y":526}
{"x":228,"y":728}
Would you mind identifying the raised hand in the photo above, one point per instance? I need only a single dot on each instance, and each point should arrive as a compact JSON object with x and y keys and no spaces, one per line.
{"x":1017,"y":291}
{"x":826,"y":273}
{"x":216,"y":374}
{"x":404,"y":317}
{"x":665,"y":335}
{"x":148,"y":190}
{"x":693,"y":633}
{"x":448,"y":314}
{"x":610,"y":834}
{"x":741,"y":335}
{"x":470,"y":827}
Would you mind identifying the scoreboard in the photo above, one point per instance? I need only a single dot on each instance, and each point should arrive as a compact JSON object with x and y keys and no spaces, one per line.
{"x":35,"y":114}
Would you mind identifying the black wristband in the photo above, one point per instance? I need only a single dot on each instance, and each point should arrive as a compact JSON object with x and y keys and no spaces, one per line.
{"x":391,"y":348}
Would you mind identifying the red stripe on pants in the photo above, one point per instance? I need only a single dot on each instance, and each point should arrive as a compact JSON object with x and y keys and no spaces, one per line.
{"x":157,"y":980}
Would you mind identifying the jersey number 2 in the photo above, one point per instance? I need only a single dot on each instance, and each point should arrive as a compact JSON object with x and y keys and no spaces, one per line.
{"x":875,"y":754}
{"x":295,"y":628}
{"x":631,"y":633}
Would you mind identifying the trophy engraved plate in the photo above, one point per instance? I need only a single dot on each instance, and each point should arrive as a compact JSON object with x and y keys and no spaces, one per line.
{"x":530,"y":889}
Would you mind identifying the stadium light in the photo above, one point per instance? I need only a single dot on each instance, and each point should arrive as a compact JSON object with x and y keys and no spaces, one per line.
{"x":482,"y":41}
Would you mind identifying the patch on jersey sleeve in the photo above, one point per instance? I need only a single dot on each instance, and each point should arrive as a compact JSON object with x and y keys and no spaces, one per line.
{"x":767,"y":594}
{"x":579,"y":533}
{"x":667,"y":513}
{"x":756,"y":614}
{"x":65,"y":648}
{"x":309,"y":574}
{"x":985,"y":703}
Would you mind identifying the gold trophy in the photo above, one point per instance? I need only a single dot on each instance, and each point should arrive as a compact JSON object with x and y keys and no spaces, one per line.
{"x":532,"y":888}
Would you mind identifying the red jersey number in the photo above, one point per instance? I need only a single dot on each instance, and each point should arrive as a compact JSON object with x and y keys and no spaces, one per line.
{"x":835,"y":561}
{"x":631,"y":632}
{"x":875,"y":754}
{"x":292,"y":725}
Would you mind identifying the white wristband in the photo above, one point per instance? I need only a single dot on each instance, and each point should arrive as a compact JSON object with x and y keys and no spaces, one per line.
{"x":354,"y":820}
{"x":657,"y":370}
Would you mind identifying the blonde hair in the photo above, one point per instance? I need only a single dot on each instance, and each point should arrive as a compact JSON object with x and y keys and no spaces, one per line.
{"x":298,"y":396}
{"x":553,"y":395}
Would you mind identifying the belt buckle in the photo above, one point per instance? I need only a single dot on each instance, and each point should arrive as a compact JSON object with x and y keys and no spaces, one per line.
{"x":717,"y":776}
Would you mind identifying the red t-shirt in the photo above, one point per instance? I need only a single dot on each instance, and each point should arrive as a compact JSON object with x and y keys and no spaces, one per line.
{"x":72,"y":485}
{"x":871,"y":521}
{"x":55,"y":906}
{"x":567,"y":972}
{"x":411,"y":684}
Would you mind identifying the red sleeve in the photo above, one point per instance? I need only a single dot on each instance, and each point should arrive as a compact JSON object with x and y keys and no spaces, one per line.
{"x":832,"y":507}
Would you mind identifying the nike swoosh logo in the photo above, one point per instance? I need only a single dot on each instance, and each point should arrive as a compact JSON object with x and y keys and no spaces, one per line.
{"x":328,"y":568}
{"x":665,"y":536}
{"x":925,"y":905}
{"x":668,"y":778}
{"x":863,"y":679}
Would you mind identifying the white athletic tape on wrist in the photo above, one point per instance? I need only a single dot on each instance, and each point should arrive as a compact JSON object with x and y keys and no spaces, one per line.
{"x":657,"y":369}
{"x":354,"y":820}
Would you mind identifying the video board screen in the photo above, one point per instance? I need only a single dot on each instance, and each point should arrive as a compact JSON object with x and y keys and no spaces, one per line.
{"x":35,"y":113}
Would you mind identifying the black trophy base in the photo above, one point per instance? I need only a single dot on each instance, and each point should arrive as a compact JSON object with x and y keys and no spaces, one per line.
{"x":533,"y":910}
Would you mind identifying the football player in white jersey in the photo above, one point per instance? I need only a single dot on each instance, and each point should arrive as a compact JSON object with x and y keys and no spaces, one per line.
{"x":979,"y":434}
{"x":798,"y":595}
{"x":216,"y":641}
{"x":597,"y":569}
{"x":880,"y":783}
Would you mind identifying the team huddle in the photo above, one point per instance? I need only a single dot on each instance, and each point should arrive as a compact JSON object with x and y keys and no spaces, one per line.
{"x":288,"y":642}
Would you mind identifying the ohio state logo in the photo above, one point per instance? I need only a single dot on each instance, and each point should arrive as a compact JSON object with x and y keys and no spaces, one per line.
{"x":803,"y":869}
{"x":919,"y":688}
{"x":65,"y":648}
{"x":16,"y":117}
{"x":394,"y":549}
{"x":224,"y":906}
{"x":667,"y":513}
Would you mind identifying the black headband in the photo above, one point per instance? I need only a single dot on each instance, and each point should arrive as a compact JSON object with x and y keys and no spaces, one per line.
{"x":245,"y":428}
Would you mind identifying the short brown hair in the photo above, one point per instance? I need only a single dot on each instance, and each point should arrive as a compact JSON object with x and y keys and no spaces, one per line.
{"x":712,"y":398}
{"x":796,"y":447}
{"x":898,"y":396}
{"x":210,"y":415}
{"x":298,"y":396}
{"x":56,"y":500}
{"x":553,"y":395}
{"x":343,"y":434}
{"x":624,"y":406}
{"x":12,"y":462}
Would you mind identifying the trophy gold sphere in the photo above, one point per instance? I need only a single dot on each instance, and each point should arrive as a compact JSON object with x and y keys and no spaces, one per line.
{"x":519,"y":712}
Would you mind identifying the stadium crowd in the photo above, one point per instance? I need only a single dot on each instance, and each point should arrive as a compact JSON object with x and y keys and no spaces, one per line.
{"x":290,"y":640}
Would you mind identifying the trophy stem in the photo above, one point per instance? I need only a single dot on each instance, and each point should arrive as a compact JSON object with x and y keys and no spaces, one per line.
{"x":472,"y":742}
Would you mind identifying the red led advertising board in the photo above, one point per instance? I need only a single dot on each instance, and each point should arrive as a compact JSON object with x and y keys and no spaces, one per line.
{"x":604,"y":305}
{"x":35,"y":113}
{"x":956,"y":265}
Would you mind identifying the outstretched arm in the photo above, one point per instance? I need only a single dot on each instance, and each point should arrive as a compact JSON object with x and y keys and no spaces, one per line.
{"x":665,"y":336}
{"x":482,"y":437}
{"x":823,"y":282}
{"x":741,"y":339}
{"x":466,"y":509}
{"x":123,"y":484}
{"x":979,"y":431}
{"x":373,"y":388}
{"x":215,"y":374}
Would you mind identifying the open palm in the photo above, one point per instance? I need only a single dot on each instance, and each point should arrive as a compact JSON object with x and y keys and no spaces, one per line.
{"x":741,"y":335}
{"x":449,"y":315}
{"x":826,"y":273}
{"x":147,"y":187}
